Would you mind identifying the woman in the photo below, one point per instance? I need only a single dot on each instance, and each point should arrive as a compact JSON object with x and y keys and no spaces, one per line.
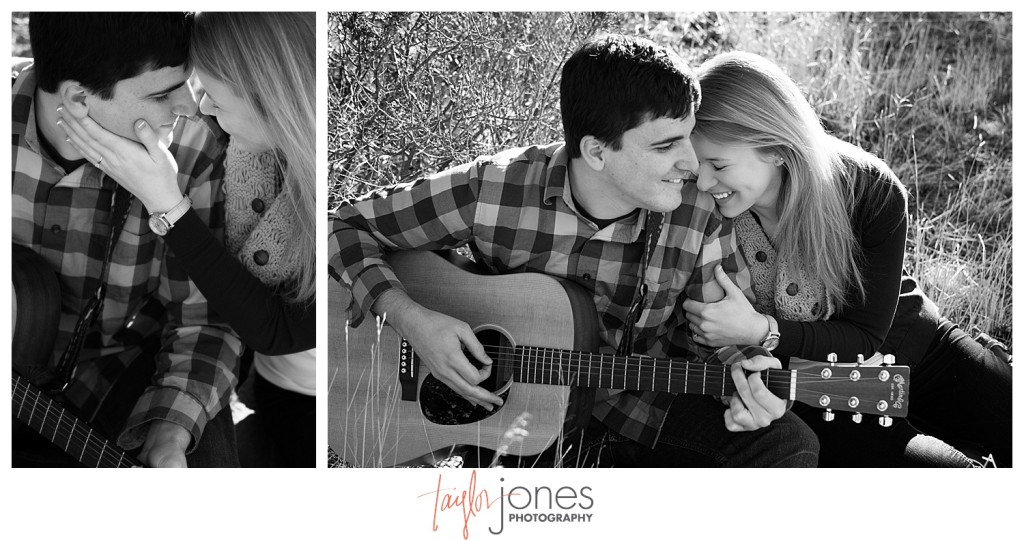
{"x":258,"y":73}
{"x":823,"y":226}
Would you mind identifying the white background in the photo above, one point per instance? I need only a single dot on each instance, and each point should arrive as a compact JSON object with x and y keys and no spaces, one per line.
{"x":356,"y":504}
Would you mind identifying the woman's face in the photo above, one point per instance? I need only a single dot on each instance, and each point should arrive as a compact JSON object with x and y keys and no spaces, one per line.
{"x":232,"y":114}
{"x":739,"y":178}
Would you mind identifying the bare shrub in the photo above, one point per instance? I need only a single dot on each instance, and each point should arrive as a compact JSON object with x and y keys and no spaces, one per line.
{"x":929,"y":93}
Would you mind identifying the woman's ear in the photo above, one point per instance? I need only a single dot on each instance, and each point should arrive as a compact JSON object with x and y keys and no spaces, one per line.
{"x":593,"y":152}
{"x":75,"y":98}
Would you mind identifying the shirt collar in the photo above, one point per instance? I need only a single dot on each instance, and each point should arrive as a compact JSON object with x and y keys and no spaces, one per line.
{"x":557,"y":185}
{"x":23,"y":124}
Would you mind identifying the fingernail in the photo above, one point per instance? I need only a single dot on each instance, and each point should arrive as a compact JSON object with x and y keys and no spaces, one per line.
{"x":60,"y":109}
{"x":140,"y":124}
{"x":68,"y":139}
{"x":60,"y":122}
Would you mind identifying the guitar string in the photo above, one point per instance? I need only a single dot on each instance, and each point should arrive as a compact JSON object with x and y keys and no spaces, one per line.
{"x":95,"y":448}
{"x":107,"y":453}
{"x":543,"y":361}
{"x":517,"y":357}
{"x":709,"y":380}
{"x":549,"y":353}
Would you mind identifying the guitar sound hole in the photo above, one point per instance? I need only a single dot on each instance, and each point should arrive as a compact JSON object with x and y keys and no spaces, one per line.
{"x":441,"y":405}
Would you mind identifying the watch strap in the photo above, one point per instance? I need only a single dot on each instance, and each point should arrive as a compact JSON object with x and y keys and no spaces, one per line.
{"x":170,"y":217}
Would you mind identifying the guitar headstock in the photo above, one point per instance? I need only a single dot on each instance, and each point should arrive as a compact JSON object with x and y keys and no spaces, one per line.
{"x":873,"y":388}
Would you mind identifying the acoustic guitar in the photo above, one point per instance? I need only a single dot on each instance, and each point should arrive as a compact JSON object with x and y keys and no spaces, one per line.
{"x":36,"y":315}
{"x":386,"y":409}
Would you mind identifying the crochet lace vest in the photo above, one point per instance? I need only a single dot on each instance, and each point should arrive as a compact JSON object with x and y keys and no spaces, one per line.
{"x":777,"y":292}
{"x":259,"y":217}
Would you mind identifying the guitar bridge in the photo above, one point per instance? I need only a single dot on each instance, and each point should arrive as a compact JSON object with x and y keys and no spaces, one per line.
{"x":407,"y":371}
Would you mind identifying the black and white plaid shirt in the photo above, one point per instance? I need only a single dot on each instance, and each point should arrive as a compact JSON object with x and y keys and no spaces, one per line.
{"x":516,"y":213}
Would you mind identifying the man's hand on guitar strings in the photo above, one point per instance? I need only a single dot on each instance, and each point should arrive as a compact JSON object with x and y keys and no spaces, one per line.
{"x":753,"y":406}
{"x":439,"y":340}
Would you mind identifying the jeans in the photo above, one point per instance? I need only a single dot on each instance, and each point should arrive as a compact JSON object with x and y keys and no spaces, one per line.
{"x":963,"y":393}
{"x":960,"y":411}
{"x":694,"y":435}
{"x":290,"y":420}
{"x":845,"y":444}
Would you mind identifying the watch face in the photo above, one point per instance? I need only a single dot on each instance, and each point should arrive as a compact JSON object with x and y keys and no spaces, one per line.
{"x":157,"y":225}
{"x":770,"y":343}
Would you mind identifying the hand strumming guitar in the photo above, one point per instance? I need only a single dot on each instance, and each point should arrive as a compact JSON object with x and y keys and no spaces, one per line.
{"x":439,"y":341}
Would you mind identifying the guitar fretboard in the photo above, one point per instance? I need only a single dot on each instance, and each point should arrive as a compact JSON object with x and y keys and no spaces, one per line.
{"x":52,"y":421}
{"x":528,"y":364}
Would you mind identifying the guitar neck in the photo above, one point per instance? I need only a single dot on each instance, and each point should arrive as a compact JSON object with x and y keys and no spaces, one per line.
{"x":52,"y":421}
{"x":527,"y":364}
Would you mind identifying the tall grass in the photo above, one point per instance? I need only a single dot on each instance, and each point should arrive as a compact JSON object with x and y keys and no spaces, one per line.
{"x":929,"y":93}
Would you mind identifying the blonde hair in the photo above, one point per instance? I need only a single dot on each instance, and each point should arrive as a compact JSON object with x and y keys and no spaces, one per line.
{"x":749,"y":101}
{"x":269,"y":60}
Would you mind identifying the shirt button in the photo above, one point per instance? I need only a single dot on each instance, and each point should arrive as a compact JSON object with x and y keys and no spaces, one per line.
{"x":586,"y":277}
{"x":55,"y":228}
{"x":761,"y":256}
{"x":793,"y":289}
{"x":261,"y":257}
{"x":258,"y":206}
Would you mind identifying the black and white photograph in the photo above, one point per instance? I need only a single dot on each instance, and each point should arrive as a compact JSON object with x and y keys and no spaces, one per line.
{"x":670,"y":240}
{"x":163,"y":239}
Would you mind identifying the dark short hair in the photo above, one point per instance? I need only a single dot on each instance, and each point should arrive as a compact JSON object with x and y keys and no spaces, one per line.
{"x":99,"y":49}
{"x":614,"y":83}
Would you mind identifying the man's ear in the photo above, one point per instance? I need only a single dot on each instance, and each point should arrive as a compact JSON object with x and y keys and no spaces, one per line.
{"x":75,"y":98}
{"x":593,"y":152}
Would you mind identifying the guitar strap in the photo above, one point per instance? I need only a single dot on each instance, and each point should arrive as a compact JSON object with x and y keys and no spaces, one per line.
{"x":581,"y":400}
{"x":121,"y":202}
{"x":653,"y":230}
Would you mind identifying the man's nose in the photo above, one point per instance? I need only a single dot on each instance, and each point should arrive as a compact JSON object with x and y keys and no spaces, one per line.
{"x":705,"y":179}
{"x":687,"y":159}
{"x":184,"y":101}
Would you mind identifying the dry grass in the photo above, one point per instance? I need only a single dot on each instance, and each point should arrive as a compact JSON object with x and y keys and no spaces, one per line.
{"x":929,"y":93}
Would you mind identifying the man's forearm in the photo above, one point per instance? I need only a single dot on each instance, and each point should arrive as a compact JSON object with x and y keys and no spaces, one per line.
{"x":398,"y":307}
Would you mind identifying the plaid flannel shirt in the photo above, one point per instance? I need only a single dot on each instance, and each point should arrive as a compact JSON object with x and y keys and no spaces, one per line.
{"x":516,"y":213}
{"x":66,"y":218}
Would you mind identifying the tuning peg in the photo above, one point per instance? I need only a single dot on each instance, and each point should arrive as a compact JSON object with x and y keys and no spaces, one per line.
{"x":833,"y":358}
{"x":885,"y":421}
{"x":828,"y":415}
{"x":888,"y":360}
{"x":860,"y":359}
{"x":858,"y":417}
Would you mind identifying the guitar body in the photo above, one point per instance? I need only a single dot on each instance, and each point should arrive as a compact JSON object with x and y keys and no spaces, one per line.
{"x":36,"y":302}
{"x":36,"y":312}
{"x":371,"y":424}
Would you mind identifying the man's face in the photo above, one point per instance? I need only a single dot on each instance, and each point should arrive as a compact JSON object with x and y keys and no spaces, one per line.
{"x":158,"y":96}
{"x":649,"y":170}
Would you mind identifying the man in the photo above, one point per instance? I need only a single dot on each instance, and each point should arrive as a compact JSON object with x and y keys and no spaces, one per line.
{"x":155,"y":369}
{"x":587,"y":210}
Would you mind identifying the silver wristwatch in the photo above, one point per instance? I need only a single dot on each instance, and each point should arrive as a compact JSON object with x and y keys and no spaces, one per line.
{"x":163,"y":222}
{"x":771,"y":340}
